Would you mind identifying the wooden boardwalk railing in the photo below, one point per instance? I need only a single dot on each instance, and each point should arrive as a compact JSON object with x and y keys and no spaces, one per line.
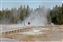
{"x":34,"y":27}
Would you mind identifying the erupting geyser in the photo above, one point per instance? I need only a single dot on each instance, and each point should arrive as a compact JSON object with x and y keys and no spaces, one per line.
{"x":38,"y":17}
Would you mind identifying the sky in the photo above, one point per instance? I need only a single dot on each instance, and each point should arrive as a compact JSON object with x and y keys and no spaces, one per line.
{"x":32,"y":3}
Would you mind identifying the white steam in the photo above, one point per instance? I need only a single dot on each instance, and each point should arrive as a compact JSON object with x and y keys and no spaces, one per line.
{"x":37,"y":18}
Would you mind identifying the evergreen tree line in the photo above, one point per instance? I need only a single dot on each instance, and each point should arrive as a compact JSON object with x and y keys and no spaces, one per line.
{"x":56,"y":15}
{"x":14,"y":14}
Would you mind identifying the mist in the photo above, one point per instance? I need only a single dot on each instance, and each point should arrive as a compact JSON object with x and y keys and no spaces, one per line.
{"x":36,"y":17}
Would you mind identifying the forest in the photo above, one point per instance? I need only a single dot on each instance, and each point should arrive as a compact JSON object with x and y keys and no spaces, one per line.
{"x":56,"y":15}
{"x":13,"y":15}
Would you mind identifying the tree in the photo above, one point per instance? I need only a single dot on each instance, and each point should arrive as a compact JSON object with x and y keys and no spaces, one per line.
{"x":14,"y":14}
{"x":24,"y":13}
{"x":57,"y":15}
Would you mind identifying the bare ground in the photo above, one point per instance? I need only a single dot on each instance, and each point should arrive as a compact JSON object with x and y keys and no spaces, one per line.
{"x":52,"y":34}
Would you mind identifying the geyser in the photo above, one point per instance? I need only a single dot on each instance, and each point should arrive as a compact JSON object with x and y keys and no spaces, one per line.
{"x":38,"y":17}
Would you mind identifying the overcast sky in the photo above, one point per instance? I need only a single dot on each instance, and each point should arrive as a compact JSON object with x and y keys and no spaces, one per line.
{"x":31,"y":3}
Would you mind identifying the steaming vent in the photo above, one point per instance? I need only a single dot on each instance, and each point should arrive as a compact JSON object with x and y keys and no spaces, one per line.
{"x":38,"y":17}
